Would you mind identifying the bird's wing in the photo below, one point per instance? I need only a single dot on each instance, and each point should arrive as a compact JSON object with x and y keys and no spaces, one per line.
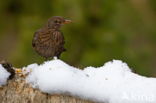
{"x":42,"y":38}
{"x":58,"y":41}
{"x":58,"y":38}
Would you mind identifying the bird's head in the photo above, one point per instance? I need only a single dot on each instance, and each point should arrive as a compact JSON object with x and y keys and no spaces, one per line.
{"x":56,"y":22}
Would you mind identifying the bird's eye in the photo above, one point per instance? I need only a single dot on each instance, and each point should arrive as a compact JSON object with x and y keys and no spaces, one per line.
{"x":55,"y":21}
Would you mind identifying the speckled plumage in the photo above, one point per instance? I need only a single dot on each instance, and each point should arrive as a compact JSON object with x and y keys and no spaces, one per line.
{"x":49,"y":41}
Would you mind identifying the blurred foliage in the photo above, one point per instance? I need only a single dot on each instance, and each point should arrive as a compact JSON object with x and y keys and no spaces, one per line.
{"x":102,"y":30}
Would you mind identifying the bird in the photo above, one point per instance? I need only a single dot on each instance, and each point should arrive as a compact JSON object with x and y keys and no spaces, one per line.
{"x":49,"y":41}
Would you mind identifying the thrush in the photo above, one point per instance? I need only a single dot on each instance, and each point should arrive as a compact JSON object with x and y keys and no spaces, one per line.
{"x":49,"y":40}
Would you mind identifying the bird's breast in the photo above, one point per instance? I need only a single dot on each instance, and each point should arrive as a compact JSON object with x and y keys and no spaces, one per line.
{"x":48,"y":42}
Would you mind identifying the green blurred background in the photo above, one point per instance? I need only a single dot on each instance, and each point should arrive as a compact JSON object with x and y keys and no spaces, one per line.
{"x":102,"y":30}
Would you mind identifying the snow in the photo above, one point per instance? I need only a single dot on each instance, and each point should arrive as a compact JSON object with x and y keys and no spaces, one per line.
{"x":4,"y":75}
{"x":114,"y":82}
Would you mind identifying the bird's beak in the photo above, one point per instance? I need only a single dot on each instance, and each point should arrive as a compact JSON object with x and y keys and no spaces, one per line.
{"x":67,"y":21}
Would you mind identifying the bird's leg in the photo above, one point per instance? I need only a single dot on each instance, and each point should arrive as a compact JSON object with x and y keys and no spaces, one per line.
{"x":58,"y":57}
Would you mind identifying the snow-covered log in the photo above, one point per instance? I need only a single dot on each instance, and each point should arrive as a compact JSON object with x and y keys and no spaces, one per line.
{"x":114,"y":82}
{"x":17,"y":91}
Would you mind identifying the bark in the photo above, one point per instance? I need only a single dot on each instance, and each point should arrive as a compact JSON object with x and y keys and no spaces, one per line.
{"x":17,"y":91}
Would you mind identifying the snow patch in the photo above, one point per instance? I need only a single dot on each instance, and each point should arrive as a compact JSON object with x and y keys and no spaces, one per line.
{"x":4,"y":75}
{"x":114,"y":82}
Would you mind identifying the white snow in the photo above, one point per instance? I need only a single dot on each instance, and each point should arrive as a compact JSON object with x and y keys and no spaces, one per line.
{"x":4,"y":75}
{"x":114,"y":82}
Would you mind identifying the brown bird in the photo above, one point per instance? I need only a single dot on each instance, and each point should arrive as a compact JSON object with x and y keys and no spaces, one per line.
{"x":49,"y":41}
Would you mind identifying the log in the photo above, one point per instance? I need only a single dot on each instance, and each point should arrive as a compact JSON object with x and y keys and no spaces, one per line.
{"x":17,"y":91}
